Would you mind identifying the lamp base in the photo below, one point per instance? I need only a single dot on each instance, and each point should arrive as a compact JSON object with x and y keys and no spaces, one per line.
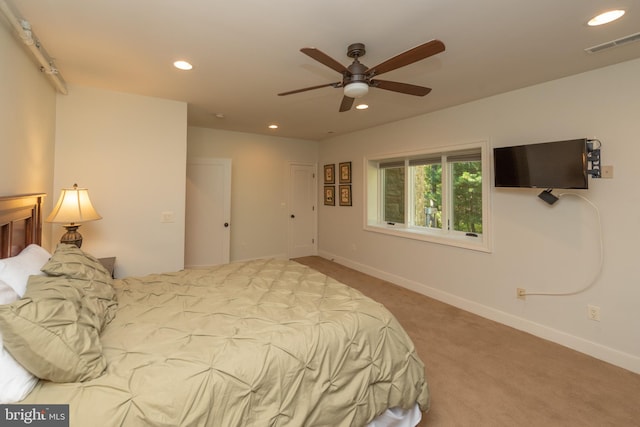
{"x":72,"y":236}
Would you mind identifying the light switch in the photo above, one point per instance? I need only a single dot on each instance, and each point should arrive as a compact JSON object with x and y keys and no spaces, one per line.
{"x":167,"y":216}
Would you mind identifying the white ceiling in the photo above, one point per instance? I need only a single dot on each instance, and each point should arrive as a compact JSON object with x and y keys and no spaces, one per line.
{"x":244,"y":52}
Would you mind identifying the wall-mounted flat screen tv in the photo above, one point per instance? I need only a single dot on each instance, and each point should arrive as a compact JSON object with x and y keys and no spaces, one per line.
{"x":560,"y":164}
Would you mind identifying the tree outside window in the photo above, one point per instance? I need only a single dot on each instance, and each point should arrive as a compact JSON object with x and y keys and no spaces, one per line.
{"x":467,"y":197}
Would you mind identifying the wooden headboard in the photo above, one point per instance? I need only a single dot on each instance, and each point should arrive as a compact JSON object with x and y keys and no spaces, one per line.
{"x":20,"y":223}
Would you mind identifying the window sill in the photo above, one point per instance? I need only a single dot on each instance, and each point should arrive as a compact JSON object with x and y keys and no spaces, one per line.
{"x":458,"y":240}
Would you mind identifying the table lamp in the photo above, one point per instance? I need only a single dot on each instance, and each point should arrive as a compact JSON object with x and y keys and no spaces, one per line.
{"x":73,"y":208}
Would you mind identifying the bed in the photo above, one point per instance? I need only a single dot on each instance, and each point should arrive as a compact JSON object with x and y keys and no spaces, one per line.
{"x":259,"y":343}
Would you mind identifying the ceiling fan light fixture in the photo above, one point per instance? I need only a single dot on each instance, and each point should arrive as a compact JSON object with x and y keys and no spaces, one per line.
{"x":356,"y":89}
{"x":606,"y":17}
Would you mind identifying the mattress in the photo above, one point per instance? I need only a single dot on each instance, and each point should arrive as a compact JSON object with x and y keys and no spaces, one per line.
{"x":257,"y":343}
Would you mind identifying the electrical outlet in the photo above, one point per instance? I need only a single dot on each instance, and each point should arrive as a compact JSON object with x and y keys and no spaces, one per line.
{"x":521,"y":293}
{"x":606,"y":172}
{"x":593,"y":312}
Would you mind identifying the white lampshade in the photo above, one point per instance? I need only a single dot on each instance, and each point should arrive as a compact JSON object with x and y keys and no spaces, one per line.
{"x":356,"y":89}
{"x":73,"y":207}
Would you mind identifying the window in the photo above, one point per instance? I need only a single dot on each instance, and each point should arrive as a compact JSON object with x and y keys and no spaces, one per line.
{"x":438,"y":196}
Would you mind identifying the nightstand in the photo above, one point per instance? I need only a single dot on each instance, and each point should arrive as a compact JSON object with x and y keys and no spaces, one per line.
{"x":109,"y":263}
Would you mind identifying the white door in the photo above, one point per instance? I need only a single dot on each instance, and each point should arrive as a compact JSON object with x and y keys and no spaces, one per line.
{"x":207,"y":212}
{"x":302,"y":210}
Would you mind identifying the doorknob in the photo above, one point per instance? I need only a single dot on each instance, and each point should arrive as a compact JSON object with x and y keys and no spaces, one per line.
{"x":293,"y":216}
{"x":226,"y":224}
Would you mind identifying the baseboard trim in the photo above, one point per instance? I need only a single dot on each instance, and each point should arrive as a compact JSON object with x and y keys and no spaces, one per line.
{"x":599,"y":351}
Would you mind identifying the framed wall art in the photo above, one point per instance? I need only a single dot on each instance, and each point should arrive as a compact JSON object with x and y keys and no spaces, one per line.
{"x":330,"y":174}
{"x":329,"y":195}
{"x":345,"y":195}
{"x":345,"y":172}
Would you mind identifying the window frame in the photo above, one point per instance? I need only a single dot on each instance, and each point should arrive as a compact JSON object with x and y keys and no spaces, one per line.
{"x":374,"y":198}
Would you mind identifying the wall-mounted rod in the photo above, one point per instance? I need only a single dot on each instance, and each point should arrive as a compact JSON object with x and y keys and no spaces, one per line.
{"x":23,"y":29}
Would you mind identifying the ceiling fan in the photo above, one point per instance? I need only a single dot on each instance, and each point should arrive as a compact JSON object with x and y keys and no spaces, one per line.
{"x":357,"y":77}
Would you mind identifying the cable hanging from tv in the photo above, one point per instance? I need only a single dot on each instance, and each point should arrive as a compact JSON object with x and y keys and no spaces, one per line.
{"x":601,"y":252}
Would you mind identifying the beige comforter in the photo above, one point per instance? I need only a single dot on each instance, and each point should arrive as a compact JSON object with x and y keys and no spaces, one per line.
{"x":261,"y":343}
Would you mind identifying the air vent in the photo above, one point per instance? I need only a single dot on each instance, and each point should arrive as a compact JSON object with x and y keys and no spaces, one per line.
{"x":613,"y":43}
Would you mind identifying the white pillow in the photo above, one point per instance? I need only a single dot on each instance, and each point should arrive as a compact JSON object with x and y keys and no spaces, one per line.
{"x":15,"y":271}
{"x":15,"y":381}
{"x":7,"y":294}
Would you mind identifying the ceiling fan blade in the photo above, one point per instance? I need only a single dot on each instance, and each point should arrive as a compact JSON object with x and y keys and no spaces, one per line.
{"x":336,"y":84}
{"x":405,"y":88}
{"x":325,"y":59}
{"x":409,"y":57}
{"x":346,"y":104}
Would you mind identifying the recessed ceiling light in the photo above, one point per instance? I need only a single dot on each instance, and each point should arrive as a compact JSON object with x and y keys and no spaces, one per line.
{"x":605,"y":18}
{"x":362,"y":106}
{"x":273,"y":126}
{"x":182,"y":65}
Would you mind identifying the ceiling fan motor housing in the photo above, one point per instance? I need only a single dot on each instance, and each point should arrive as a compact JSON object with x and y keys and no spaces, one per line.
{"x":356,"y":83}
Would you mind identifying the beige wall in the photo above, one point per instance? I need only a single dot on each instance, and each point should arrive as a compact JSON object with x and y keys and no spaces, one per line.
{"x":537,"y":247}
{"x":27,"y":123}
{"x":130,"y":152}
{"x":259,"y":184}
